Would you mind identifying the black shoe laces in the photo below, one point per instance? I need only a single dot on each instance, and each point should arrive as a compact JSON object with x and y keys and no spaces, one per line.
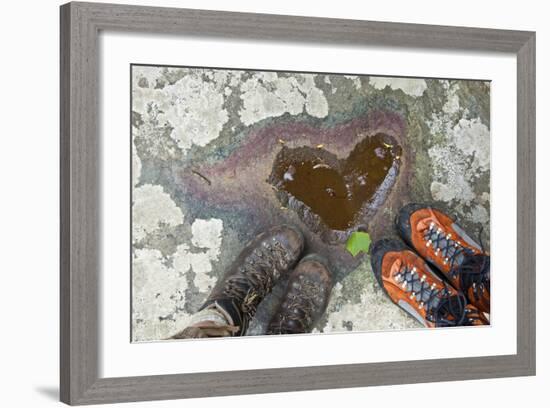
{"x":472,"y":269}
{"x":443,"y":308}
{"x":453,"y":311}
{"x":474,"y":272}
{"x":451,"y":251}
{"x":411,"y":282}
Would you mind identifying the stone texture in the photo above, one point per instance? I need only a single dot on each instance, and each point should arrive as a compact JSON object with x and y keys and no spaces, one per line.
{"x":204,"y":142}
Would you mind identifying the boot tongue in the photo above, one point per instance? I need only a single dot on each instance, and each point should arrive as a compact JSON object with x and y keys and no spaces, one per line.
{"x":450,"y":311}
{"x":212,"y":321}
{"x":214,"y":329}
{"x":206,"y":329}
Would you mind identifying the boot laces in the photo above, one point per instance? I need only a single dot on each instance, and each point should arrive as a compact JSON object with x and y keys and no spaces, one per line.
{"x":453,"y":311}
{"x":426,"y":295}
{"x":474,"y":272}
{"x":443,"y":308}
{"x":299,"y":307}
{"x":256,"y":276}
{"x":451,"y":251}
{"x":472,"y":269}
{"x":300,"y":304}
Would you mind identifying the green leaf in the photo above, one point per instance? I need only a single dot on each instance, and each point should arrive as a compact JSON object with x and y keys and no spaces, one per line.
{"x":357,"y":242}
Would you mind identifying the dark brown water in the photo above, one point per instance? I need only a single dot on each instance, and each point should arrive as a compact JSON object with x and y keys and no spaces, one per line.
{"x":336,"y":190}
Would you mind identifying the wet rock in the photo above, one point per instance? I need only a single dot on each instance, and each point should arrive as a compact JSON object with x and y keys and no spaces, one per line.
{"x":332,"y":196}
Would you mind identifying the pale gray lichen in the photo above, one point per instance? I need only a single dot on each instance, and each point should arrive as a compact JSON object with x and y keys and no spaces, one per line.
{"x":266,"y":94}
{"x":136,"y":166}
{"x":207,"y":233}
{"x":411,"y":86}
{"x":160,"y":283}
{"x":145,"y":93}
{"x":472,"y":138}
{"x":151,"y":209}
{"x":460,"y":153}
{"x":194,"y":111}
{"x":200,"y":262}
{"x":146,"y":77}
{"x":184,"y":116}
{"x":191,"y":106}
{"x":158,"y":297}
{"x":359,"y":301}
{"x":355,"y":80}
{"x":479,"y":215}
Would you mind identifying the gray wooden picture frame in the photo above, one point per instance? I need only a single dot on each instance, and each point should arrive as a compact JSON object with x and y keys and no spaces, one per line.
{"x":80,"y":237}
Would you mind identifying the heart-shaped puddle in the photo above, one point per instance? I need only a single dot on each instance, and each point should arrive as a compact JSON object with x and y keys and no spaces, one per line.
{"x":340,"y":192}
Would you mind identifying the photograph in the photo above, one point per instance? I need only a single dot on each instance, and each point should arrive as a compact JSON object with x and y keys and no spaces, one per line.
{"x":278,"y":202}
{"x":274,"y":204}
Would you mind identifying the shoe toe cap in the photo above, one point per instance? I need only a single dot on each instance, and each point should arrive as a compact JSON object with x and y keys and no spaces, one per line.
{"x":381,"y":248}
{"x":291,"y":238}
{"x":403,"y":220}
{"x":316,"y":268}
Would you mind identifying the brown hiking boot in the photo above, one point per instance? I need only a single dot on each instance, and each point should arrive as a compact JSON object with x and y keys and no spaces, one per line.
{"x":413,"y":286}
{"x":306,"y":297}
{"x":443,"y":243}
{"x":233,"y":301}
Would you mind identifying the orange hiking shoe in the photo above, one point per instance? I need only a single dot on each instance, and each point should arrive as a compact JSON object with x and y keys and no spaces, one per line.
{"x":414,"y":287}
{"x":442,"y":242}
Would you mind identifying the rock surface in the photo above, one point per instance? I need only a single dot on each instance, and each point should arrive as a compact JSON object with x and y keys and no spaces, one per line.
{"x":204,"y":145}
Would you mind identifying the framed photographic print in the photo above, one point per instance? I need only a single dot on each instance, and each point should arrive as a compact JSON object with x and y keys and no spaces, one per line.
{"x":259,"y":203}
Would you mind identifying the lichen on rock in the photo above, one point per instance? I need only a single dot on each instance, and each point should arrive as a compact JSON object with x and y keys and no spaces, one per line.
{"x":460,"y":157}
{"x":204,"y":142}
{"x":158,"y":297}
{"x":267,"y":94}
{"x":357,"y":303}
{"x":151,"y":209}
{"x":410,"y":86}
